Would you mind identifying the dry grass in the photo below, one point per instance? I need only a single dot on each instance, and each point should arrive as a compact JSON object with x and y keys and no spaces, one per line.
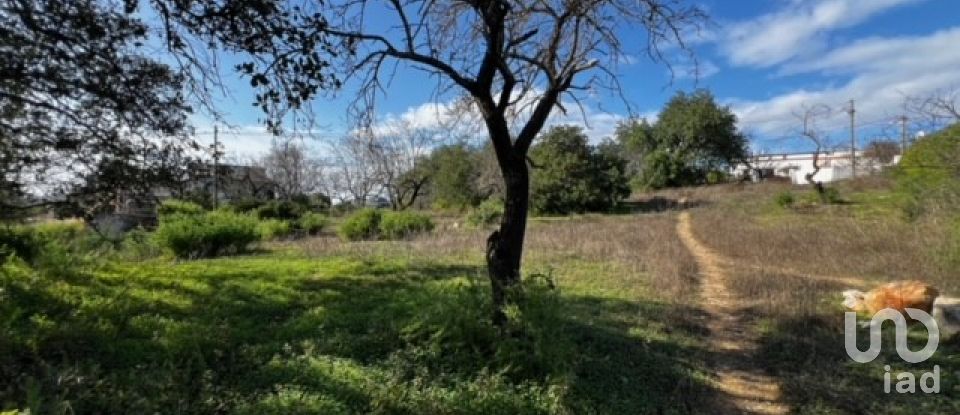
{"x":790,"y":267}
{"x":635,"y":246}
{"x":829,"y":243}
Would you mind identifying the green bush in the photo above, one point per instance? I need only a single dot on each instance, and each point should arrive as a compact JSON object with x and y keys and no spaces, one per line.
{"x":717,"y":177}
{"x":206,"y":235}
{"x":313,"y":223}
{"x":831,"y":196}
{"x":246,"y":204}
{"x":360,"y":225}
{"x":927,"y":175}
{"x":487,"y":213}
{"x":21,"y":241}
{"x":269,"y":229}
{"x":785,"y":199}
{"x":178,"y":207}
{"x":52,"y":247}
{"x":281,"y":209}
{"x":398,"y":225}
{"x":139,"y":244}
{"x":62,"y":230}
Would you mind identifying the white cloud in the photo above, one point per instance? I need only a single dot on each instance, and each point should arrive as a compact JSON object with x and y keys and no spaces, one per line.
{"x":877,"y":54}
{"x":879,"y":71}
{"x":700,"y":71}
{"x":240,"y":143}
{"x":450,"y":116}
{"x":798,"y":29}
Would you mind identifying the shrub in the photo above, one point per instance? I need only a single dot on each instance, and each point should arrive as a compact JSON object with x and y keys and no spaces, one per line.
{"x":831,"y":196}
{"x":362,"y":224}
{"x":55,"y":247}
{"x":273,"y":229}
{"x":487,"y":213}
{"x":62,"y":230}
{"x":717,"y":177}
{"x":785,"y":199}
{"x":179,"y":207}
{"x":313,"y":223}
{"x":21,"y":241}
{"x":926,"y":176}
{"x":281,"y":209}
{"x":206,"y":235}
{"x":246,"y":204}
{"x":397,"y":225}
{"x":139,"y":244}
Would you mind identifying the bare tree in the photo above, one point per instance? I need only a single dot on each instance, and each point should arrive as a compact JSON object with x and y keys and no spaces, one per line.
{"x":809,"y":117}
{"x":351,"y":174}
{"x":514,"y":61}
{"x":936,"y":109}
{"x":881,"y":151}
{"x":292,"y":169}
{"x":511,"y":58}
{"x":397,"y":149}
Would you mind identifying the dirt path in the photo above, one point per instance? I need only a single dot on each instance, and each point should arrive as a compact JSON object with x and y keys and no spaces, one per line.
{"x":744,"y":386}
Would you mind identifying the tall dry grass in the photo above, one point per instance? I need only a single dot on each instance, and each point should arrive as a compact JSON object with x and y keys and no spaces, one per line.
{"x":637,"y":248}
{"x":789,"y":267}
{"x":830,"y":245}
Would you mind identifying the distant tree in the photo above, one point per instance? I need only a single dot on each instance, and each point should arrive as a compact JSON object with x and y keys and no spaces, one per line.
{"x":809,"y":118}
{"x":571,"y":176}
{"x":882,"y":151}
{"x":352,"y":175}
{"x":454,"y":169}
{"x":290,"y":167}
{"x":489,"y":180}
{"x":936,"y":109}
{"x":397,"y":150}
{"x":635,"y":140}
{"x":693,"y":136}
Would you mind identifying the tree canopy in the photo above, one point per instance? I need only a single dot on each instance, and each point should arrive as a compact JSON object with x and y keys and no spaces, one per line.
{"x":571,"y":176}
{"x":80,"y":97}
{"x":691,"y":137}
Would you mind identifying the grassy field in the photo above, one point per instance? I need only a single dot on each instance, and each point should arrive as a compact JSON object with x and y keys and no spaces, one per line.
{"x":791,"y":265}
{"x":610,"y":323}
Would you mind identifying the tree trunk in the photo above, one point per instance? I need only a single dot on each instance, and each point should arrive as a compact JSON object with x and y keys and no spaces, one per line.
{"x":505,"y":245}
{"x":818,"y":185}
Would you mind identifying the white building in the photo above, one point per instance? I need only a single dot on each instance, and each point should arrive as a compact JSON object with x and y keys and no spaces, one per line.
{"x":834,"y":165}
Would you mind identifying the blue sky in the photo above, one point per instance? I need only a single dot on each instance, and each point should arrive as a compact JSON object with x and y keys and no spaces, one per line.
{"x":766,"y":59}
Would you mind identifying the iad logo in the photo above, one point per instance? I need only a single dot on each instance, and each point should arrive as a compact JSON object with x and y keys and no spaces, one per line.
{"x":906,"y":381}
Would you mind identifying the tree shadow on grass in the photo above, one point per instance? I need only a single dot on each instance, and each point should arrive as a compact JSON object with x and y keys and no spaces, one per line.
{"x":410,"y":339}
{"x":637,"y":357}
{"x":808,"y":354}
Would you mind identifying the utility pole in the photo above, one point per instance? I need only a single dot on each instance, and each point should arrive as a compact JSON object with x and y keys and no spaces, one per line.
{"x":853,"y":138}
{"x":216,"y":167}
{"x":903,"y":135}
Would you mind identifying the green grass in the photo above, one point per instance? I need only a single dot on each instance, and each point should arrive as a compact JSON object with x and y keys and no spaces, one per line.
{"x":281,"y":333}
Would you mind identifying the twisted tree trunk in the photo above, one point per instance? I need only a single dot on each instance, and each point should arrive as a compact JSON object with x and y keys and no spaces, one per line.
{"x":505,"y":245}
